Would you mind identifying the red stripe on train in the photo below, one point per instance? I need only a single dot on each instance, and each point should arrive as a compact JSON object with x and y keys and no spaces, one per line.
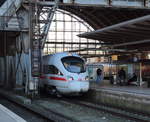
{"x":57,"y":78}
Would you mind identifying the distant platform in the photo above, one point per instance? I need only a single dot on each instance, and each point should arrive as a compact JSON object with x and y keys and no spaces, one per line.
{"x":8,"y":116}
{"x":132,"y":89}
{"x":133,"y":97}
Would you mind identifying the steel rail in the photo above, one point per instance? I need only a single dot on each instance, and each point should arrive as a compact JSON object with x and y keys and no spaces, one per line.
{"x":129,"y":114}
{"x":17,"y":104}
{"x":46,"y":114}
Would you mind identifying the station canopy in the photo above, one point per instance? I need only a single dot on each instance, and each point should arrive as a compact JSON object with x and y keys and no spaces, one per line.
{"x":132,"y":35}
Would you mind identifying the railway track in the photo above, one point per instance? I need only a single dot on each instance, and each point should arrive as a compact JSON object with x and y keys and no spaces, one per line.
{"x":33,"y":112}
{"x":73,"y":106}
{"x":22,"y":111}
{"x":128,"y":114}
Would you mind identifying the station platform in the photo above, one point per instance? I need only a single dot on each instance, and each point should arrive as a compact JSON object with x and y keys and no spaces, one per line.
{"x":105,"y":85}
{"x":8,"y":116}
{"x":136,"y":98}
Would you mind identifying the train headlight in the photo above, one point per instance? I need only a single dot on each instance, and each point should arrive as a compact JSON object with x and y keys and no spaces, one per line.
{"x":87,"y":78}
{"x":70,"y":78}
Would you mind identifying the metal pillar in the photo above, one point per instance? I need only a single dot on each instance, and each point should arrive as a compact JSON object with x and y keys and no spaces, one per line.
{"x":140,"y":76}
{"x":38,"y":37}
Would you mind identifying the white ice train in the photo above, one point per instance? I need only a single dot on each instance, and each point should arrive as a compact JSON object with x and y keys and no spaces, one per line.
{"x":64,"y":73}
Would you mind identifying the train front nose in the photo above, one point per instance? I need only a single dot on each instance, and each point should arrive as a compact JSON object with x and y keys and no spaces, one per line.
{"x":84,"y":87}
{"x":79,"y":86}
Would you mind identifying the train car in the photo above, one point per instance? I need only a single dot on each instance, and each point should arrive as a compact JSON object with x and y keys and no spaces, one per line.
{"x":64,"y":73}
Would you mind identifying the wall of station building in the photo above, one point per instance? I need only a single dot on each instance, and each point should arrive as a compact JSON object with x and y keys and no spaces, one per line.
{"x":15,"y":58}
{"x":15,"y":70}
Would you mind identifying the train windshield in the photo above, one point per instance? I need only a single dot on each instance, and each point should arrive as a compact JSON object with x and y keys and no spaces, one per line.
{"x":73,"y":64}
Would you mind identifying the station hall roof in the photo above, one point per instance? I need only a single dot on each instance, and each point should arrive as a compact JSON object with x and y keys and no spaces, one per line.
{"x":103,"y":16}
{"x":131,"y":35}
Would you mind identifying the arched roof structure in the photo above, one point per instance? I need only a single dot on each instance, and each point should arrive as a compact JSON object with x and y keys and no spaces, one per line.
{"x":101,"y":16}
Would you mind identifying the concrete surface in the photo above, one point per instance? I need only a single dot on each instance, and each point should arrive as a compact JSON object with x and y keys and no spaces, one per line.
{"x":127,"y":97}
{"x":8,"y":116}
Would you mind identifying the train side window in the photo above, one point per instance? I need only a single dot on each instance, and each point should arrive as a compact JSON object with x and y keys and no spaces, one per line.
{"x":53,"y":70}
